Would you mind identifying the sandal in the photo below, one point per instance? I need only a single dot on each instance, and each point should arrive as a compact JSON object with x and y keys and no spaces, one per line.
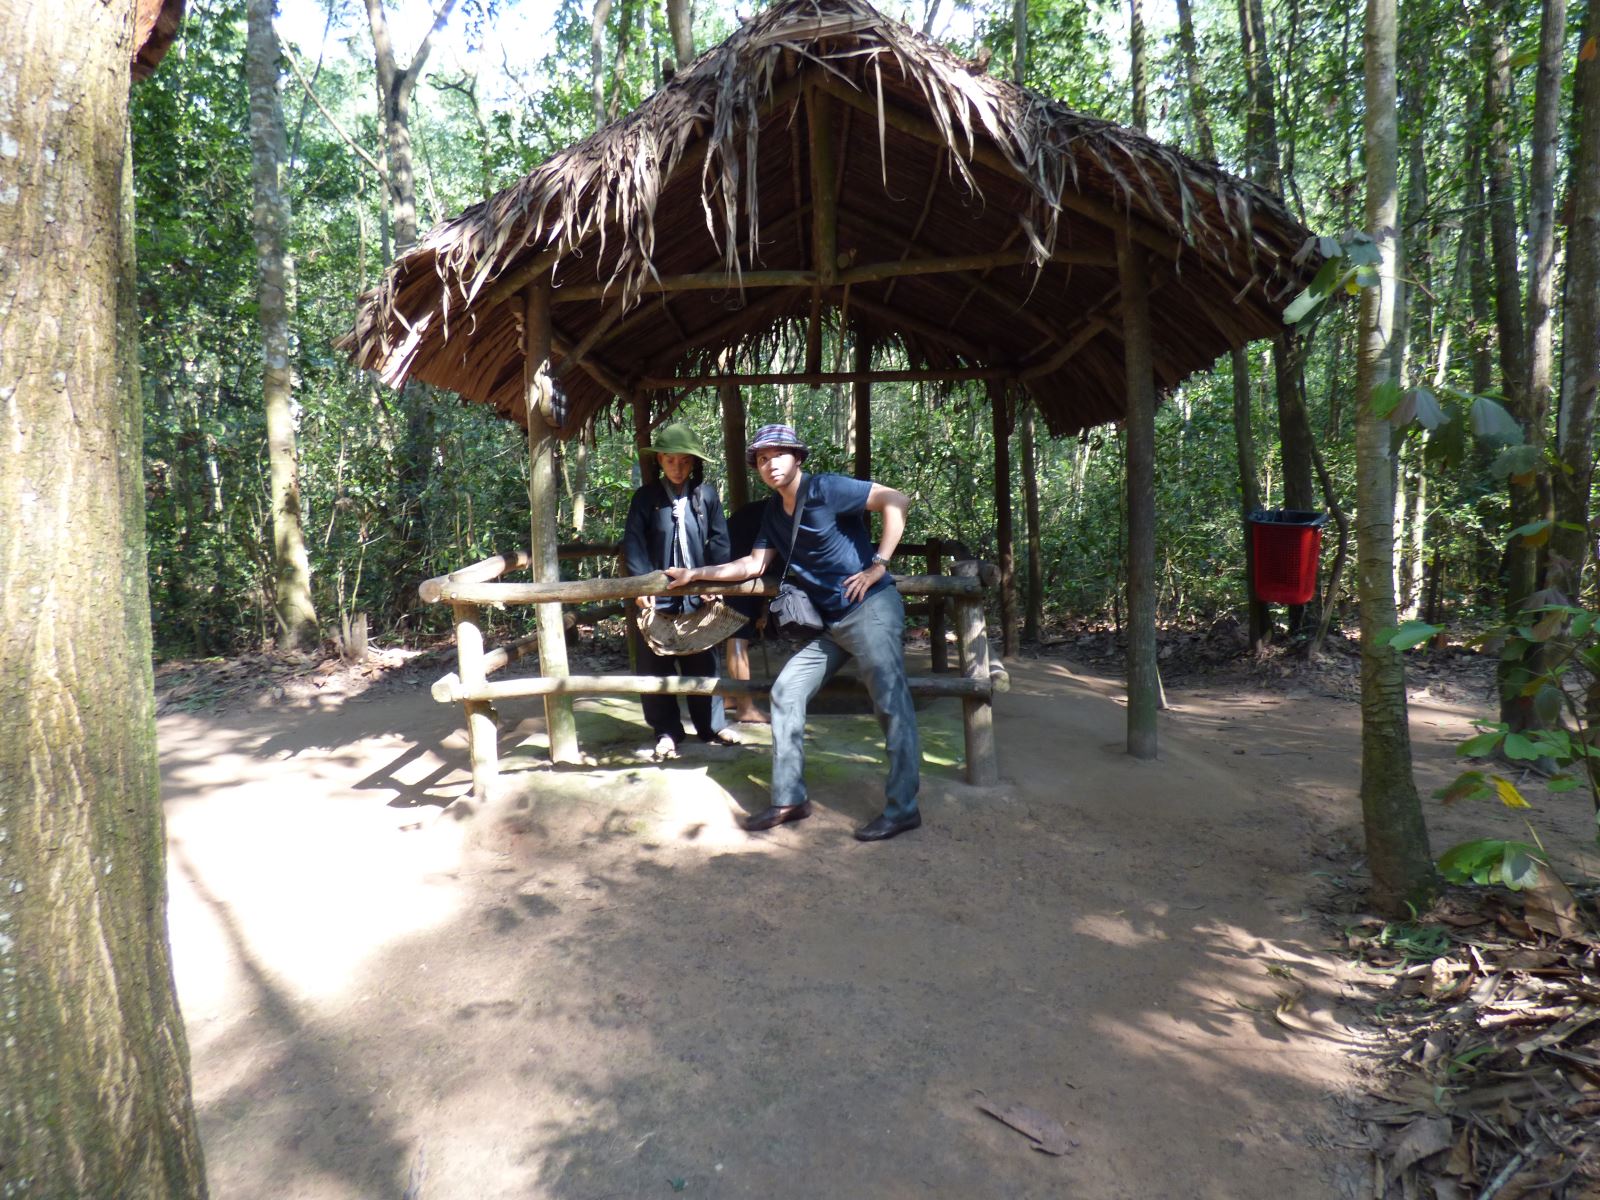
{"x":666,"y":747}
{"x":724,"y":737}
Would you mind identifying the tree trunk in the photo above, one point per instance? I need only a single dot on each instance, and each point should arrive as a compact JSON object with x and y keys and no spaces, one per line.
{"x":1572,"y":538}
{"x":1199,"y":101}
{"x":1396,"y":836}
{"x":597,"y":62}
{"x":1136,"y":65}
{"x":92,"y":1048}
{"x":297,"y":616}
{"x":395,"y":88}
{"x":680,"y":21}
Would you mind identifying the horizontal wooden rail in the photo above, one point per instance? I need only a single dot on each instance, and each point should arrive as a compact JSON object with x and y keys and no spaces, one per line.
{"x":445,"y":589}
{"x":450,"y":690}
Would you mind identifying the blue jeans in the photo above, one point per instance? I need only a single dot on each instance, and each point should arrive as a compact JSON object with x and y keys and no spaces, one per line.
{"x":870,"y":633}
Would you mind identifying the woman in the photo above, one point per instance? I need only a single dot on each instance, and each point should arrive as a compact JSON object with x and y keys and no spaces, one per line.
{"x":677,"y":522}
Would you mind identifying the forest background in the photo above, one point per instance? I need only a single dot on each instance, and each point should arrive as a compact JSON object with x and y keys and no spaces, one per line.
{"x":393,"y":489}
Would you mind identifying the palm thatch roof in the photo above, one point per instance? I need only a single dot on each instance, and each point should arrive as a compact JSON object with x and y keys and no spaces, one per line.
{"x":826,"y":160}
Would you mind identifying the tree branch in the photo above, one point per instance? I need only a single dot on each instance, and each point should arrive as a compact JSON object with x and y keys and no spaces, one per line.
{"x":355,"y":146}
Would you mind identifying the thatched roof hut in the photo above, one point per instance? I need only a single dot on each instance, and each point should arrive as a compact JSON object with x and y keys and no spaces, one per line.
{"x":828,"y":164}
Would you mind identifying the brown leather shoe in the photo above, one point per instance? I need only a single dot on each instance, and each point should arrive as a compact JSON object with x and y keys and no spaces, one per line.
{"x":778,"y":814}
{"x":882,"y":828}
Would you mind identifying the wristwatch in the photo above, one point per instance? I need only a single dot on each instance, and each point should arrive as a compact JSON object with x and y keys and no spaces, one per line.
{"x":881,"y":561}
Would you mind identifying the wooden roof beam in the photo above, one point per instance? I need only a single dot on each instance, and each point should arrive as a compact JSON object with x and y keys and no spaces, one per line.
{"x":985,"y":155}
{"x":821,"y":378}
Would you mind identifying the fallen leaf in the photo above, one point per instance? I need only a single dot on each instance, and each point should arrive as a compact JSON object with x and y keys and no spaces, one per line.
{"x":1048,"y":1134}
{"x":1423,"y":1138}
{"x":1551,"y":908}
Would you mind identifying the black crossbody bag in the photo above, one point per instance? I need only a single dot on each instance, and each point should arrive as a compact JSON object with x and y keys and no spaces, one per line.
{"x":791,"y":611}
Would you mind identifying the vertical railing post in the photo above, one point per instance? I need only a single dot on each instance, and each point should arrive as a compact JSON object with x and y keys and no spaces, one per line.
{"x":937,"y":649}
{"x":482,"y":729}
{"x":977,"y":712}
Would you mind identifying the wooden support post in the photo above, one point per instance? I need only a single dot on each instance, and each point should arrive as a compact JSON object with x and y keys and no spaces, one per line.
{"x":647,"y":474}
{"x":483,"y":732}
{"x":1138,"y":357}
{"x":1033,"y":609}
{"x":543,"y":503}
{"x":641,"y":437}
{"x":824,"y":214}
{"x":733,"y":444}
{"x":977,"y":714}
{"x":1000,"y":413}
{"x":938,"y":650}
{"x":863,"y":365}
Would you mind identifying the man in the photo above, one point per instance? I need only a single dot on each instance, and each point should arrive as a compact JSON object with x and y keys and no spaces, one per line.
{"x":836,"y":565}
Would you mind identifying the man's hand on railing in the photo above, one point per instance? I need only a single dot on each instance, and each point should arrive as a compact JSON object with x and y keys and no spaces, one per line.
{"x":680,"y":575}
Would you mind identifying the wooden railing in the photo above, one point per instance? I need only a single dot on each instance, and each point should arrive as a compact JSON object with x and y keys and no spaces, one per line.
{"x":469,"y":590}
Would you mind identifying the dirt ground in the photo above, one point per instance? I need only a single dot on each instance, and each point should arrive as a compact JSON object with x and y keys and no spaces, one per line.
{"x":597,"y":986}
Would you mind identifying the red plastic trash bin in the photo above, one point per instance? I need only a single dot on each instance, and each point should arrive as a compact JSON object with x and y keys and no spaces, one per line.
{"x":1288,"y":545}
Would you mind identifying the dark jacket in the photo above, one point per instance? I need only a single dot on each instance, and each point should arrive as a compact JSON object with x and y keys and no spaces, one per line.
{"x":647,"y":535}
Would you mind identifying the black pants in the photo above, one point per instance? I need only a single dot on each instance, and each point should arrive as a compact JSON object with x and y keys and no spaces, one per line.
{"x":662,"y":712}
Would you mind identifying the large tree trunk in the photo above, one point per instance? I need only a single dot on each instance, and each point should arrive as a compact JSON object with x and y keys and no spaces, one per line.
{"x":1138,"y":105}
{"x":1572,"y":537}
{"x":1199,"y":101}
{"x":395,"y":88}
{"x":1265,"y":168}
{"x":297,"y":616}
{"x":680,"y":22}
{"x":1243,"y":429}
{"x":1396,"y":836}
{"x":92,"y":1050}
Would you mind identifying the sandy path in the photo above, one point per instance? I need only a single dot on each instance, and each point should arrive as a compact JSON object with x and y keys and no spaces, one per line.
{"x":600,"y":988}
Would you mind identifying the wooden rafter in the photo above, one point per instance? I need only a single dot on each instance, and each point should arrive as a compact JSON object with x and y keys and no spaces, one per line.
{"x":918,"y":127}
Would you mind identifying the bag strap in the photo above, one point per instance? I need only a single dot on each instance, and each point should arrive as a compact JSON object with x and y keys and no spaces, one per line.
{"x":799,"y":510}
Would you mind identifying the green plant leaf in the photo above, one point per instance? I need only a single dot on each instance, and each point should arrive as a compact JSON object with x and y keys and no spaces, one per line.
{"x":1472,"y":862}
{"x":1562,"y":783}
{"x":1535,"y":533}
{"x":1491,"y":422}
{"x":1409,"y":634}
{"x":1520,"y":748}
{"x":1482,"y":744}
{"x":1469,"y":785}
{"x":1547,"y":703}
{"x":1519,"y":868}
{"x":1363,"y":251}
{"x":1386,"y":397}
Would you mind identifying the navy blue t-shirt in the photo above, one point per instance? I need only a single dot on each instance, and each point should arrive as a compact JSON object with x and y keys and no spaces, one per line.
{"x":832,"y":544}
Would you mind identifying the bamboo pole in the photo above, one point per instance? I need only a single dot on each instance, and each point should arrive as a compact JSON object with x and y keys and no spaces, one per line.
{"x":588,"y":591}
{"x":482,"y":729}
{"x":733,"y":443}
{"x":938,"y":649}
{"x":1004,"y":535}
{"x":863,"y":402}
{"x":544,"y":506}
{"x":820,"y":378}
{"x":451,"y":690}
{"x":640,"y":404}
{"x":1034,"y":610}
{"x":1143,"y":681}
{"x":977,"y":713}
{"x":824,"y":213}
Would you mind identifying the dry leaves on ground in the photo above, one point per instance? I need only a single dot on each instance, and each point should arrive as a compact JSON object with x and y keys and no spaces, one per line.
{"x":1493,"y":1021}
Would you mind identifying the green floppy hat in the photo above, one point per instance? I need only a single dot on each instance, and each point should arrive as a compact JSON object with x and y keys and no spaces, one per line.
{"x":677,"y":438}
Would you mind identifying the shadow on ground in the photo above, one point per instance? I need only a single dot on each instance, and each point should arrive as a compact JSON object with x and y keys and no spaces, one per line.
{"x":596,"y":986}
